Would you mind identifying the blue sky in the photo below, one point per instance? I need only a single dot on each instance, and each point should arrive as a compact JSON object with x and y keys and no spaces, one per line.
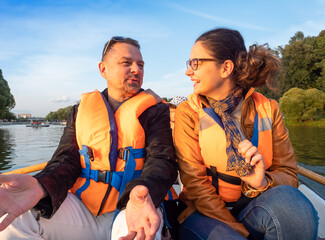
{"x":50,"y":49}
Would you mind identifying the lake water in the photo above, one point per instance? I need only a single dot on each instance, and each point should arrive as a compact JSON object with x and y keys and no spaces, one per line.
{"x":22,"y":146}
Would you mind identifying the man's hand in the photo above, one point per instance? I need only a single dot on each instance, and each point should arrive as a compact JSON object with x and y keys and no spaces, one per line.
{"x":257,"y":178}
{"x":141,"y":215}
{"x":18,"y":194}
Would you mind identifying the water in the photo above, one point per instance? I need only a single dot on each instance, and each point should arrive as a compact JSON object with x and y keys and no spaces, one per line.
{"x":309,"y":145}
{"x":22,"y":146}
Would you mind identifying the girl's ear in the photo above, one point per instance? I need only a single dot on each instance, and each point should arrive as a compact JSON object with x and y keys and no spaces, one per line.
{"x":227,"y":68}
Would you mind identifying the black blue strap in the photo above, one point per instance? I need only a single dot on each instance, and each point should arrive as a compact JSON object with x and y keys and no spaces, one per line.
{"x":165,"y":216}
{"x":214,"y":116}
{"x":113,"y":133}
{"x":117,"y":179}
{"x":113,"y":178}
{"x":84,"y":153}
{"x":129,"y":156}
{"x":254,"y":139}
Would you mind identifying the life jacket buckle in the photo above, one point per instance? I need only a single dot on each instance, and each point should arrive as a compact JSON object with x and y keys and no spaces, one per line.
{"x":102,"y":176}
{"x":123,"y":153}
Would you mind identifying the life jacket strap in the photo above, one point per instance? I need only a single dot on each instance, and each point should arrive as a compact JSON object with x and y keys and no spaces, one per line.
{"x":165,"y":216}
{"x":170,"y":195}
{"x":112,"y":178}
{"x":128,"y":155}
{"x":236,"y":207}
{"x":116,"y":179}
{"x":224,"y":177}
{"x":124,"y":153}
{"x":254,"y":139}
{"x":85,"y":153}
{"x":214,"y":116}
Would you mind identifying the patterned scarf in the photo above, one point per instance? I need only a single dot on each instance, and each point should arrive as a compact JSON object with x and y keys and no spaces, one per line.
{"x":224,"y":108}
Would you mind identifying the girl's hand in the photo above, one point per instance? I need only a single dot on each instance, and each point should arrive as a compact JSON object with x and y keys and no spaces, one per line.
{"x":257,"y":178}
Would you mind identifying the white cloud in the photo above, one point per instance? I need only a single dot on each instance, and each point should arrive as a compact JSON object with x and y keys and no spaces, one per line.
{"x":61,"y":99}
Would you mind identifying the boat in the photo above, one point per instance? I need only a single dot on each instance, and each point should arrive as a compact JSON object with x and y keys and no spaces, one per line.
{"x":319,"y":205}
{"x":37,"y":124}
{"x":316,"y":200}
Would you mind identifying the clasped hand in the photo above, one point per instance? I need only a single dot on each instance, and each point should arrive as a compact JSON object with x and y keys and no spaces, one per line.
{"x":257,"y":177}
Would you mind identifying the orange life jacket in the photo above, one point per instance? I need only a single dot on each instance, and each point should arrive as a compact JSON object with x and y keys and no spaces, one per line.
{"x":107,"y":149}
{"x":212,"y":143}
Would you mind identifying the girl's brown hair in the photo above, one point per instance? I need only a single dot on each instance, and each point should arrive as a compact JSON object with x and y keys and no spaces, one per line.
{"x":255,"y":68}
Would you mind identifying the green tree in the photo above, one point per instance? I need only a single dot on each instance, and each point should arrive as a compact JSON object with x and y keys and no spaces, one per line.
{"x":320,"y":65}
{"x":61,"y":114}
{"x":9,"y":115}
{"x":166,"y":99}
{"x":303,"y":61}
{"x":51,"y":116}
{"x":7,"y":100}
{"x":298,"y":104}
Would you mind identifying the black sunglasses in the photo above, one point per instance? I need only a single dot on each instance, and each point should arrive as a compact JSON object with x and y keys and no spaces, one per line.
{"x":111,"y":42}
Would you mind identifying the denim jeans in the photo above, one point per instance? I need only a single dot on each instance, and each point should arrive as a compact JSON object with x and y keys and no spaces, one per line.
{"x":282,"y":213}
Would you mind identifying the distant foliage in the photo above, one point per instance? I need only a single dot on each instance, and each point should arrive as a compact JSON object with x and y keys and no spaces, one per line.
{"x":61,"y":114}
{"x":9,"y":116}
{"x":166,"y":99}
{"x":298,"y":104}
{"x":7,"y":100}
{"x":304,"y":62}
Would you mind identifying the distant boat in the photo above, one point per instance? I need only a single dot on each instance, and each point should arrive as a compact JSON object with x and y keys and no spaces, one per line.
{"x":37,"y":124}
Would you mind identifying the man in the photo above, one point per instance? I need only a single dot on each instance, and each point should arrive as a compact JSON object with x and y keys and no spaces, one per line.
{"x":109,"y":138}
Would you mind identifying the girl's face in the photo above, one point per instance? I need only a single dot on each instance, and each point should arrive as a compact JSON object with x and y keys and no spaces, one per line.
{"x":209,"y":78}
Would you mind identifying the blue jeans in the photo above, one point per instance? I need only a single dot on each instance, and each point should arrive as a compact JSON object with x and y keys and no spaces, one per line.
{"x":282,"y":212}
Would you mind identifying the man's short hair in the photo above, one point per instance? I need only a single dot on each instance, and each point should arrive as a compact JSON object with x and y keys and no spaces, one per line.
{"x":119,"y":39}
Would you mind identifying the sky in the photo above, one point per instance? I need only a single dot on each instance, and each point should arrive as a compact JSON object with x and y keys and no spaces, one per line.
{"x":50,"y":49}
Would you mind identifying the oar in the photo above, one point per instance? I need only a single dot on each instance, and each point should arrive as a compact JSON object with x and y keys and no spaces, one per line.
{"x":30,"y":169}
{"x":301,"y":170}
{"x":311,"y":175}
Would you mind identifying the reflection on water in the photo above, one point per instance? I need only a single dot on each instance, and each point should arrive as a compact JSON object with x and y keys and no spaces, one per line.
{"x":22,"y":146}
{"x":309,"y":145}
{"x":6,"y":146}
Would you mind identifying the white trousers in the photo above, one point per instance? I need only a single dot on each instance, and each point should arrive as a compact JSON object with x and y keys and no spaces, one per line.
{"x":72,"y":221}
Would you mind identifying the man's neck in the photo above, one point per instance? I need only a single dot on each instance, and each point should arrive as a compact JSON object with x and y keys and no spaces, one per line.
{"x":114,"y":103}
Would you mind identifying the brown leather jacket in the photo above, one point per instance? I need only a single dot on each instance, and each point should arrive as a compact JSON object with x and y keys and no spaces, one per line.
{"x":199,"y":193}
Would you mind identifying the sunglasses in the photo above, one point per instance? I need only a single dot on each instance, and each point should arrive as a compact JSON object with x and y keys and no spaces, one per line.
{"x":111,"y":42}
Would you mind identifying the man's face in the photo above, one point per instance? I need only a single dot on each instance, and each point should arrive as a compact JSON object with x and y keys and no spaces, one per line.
{"x":122,"y":68}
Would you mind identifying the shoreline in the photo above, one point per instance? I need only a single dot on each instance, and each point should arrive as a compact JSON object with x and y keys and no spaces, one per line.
{"x":26,"y":123}
{"x":318,"y":123}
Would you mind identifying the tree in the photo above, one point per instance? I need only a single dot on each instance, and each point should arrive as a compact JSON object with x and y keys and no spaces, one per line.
{"x":51,"y":116}
{"x":9,"y":115}
{"x":7,"y":100}
{"x":167,"y":99}
{"x":61,"y":114}
{"x":298,"y":104}
{"x":320,"y":55}
{"x":304,"y":64}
